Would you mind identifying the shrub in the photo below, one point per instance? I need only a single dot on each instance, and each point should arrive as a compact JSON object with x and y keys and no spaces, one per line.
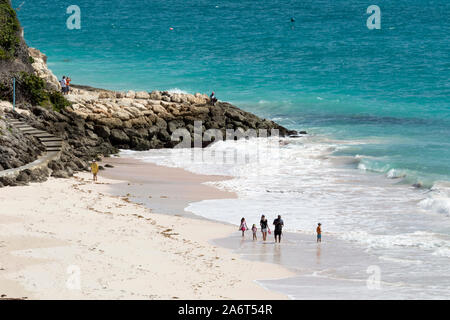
{"x":58,"y":101}
{"x":9,"y":31}
{"x":34,"y":91}
{"x":32,"y":87}
{"x":4,"y":92}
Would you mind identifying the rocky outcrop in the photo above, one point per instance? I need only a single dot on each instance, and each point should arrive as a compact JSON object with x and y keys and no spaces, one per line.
{"x":14,"y":57}
{"x":16,"y":150}
{"x":99,"y":122}
{"x":146,"y":120}
{"x":39,"y":64}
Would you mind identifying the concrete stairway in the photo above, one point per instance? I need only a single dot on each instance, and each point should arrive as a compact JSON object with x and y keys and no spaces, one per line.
{"x":53,"y":147}
{"x":51,"y":143}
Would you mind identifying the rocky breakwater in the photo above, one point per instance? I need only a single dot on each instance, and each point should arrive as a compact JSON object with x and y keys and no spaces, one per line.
{"x":99,"y":122}
{"x":147,"y":120}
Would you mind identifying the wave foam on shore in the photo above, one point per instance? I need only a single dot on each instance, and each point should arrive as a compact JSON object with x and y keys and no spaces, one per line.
{"x":302,"y":180}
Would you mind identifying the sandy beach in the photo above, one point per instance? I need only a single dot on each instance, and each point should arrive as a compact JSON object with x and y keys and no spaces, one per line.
{"x":75,"y":239}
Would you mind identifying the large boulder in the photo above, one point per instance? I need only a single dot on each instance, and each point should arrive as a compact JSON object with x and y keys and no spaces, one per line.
{"x":175,"y":124}
{"x":102,"y":131}
{"x":142,"y":95}
{"x":119,"y":137}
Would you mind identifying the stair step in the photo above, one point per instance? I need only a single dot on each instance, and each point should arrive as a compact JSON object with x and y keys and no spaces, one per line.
{"x":52,"y":143}
{"x":41,"y":134}
{"x":32,"y":130}
{"x":50,"y":139}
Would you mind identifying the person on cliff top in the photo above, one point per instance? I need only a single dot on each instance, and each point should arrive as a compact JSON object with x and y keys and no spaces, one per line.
{"x":68,"y":85}
{"x":319,"y":232}
{"x":94,"y":170}
{"x":213,"y":98}
{"x":63,"y":85}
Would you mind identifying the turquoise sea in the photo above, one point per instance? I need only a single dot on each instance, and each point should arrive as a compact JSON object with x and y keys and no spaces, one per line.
{"x":326,"y":72}
{"x":375,"y":102}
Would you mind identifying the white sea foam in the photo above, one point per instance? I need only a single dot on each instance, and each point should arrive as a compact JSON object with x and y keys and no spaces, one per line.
{"x":438,"y":199}
{"x":176,"y":90}
{"x":300,"y":181}
{"x":442,"y":252}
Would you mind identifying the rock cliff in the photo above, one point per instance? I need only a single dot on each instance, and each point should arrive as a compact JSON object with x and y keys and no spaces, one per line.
{"x":95,"y":122}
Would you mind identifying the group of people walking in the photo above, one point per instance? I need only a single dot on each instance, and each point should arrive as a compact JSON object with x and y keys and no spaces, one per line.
{"x":264,"y":224}
{"x":65,"y":85}
{"x":278,"y":229}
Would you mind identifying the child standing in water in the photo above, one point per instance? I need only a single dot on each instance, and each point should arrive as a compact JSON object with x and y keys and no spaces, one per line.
{"x":254,"y":229}
{"x":319,"y":232}
{"x":243,"y":227}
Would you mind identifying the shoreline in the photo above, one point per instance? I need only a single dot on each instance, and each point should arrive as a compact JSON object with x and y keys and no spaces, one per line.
{"x":150,"y":184}
{"x":53,"y":231}
{"x":338,"y":268}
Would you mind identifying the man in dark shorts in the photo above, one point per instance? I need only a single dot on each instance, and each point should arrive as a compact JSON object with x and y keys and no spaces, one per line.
{"x":279,"y":224}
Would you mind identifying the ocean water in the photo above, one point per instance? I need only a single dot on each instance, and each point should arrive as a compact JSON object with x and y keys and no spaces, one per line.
{"x":326,"y":72}
{"x":375,"y":102}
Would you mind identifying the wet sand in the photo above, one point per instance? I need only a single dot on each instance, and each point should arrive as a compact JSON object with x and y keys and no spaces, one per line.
{"x":333,"y":269}
{"x":73,"y":239}
{"x":162,"y":189}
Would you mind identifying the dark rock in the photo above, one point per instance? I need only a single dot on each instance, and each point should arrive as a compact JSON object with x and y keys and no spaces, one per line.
{"x":161,"y":123}
{"x":109,"y":165}
{"x":81,"y":164}
{"x":55,"y":165}
{"x":174,"y":125}
{"x":102,"y":131}
{"x":60,"y":174}
{"x":8,"y":181}
{"x":69,"y":171}
{"x":119,"y":137}
{"x":23,"y":177}
{"x":163,"y":135}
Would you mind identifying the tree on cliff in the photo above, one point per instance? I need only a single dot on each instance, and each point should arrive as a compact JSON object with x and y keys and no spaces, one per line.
{"x":15,"y":62}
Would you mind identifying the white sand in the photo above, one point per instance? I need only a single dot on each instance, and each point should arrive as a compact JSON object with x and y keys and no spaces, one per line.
{"x":53,"y":231}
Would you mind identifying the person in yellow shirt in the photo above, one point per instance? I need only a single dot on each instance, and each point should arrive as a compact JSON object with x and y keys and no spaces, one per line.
{"x":94,"y":169}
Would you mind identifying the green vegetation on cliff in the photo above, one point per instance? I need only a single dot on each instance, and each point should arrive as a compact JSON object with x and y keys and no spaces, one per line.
{"x":15,"y":62}
{"x":33,"y":89}
{"x":9,"y":31}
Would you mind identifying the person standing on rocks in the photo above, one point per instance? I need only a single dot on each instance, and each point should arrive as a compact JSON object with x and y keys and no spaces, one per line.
{"x":68,"y":85}
{"x":63,"y":85}
{"x":213,"y":98}
{"x":94,"y":169}
{"x":279,"y":224}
